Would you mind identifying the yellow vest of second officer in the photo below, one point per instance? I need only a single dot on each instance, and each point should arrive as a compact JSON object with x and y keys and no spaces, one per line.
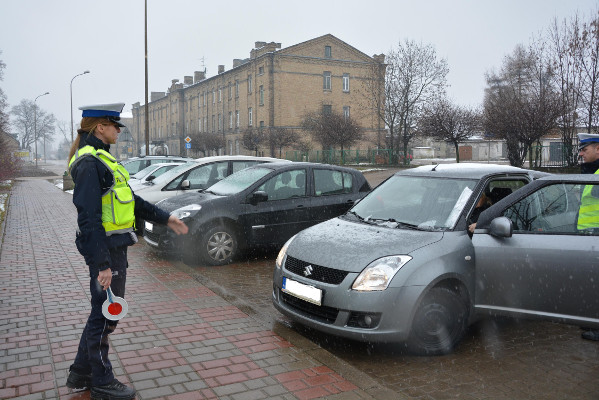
{"x":588,"y":215}
{"x":118,"y":205}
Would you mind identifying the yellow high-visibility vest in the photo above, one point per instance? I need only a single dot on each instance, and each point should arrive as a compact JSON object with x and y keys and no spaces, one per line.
{"x":588,"y":215}
{"x":118,"y":204}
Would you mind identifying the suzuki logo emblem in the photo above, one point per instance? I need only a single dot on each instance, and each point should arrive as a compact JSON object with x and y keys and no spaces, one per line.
{"x":308,"y":270}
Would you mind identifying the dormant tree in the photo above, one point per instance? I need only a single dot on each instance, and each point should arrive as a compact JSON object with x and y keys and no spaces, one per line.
{"x":413,"y":76}
{"x":332,"y":129}
{"x":444,"y":120}
{"x":279,"y":138}
{"x":520,"y":104}
{"x":253,"y":139}
{"x":28,"y":115}
{"x":4,"y":120}
{"x":564,"y":50}
{"x":206,"y":142}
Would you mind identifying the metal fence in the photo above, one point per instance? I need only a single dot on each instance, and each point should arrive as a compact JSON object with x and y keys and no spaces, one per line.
{"x":557,"y":154}
{"x":353,"y":157}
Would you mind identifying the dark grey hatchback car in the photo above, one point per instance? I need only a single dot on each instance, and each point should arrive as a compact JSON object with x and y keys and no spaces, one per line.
{"x":263,"y":205}
{"x":402,"y":266}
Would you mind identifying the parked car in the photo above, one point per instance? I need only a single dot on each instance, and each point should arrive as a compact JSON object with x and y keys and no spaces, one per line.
{"x":401,"y":265}
{"x":135,"y":164}
{"x":150,"y":173}
{"x":197,"y":174}
{"x":263,"y":205}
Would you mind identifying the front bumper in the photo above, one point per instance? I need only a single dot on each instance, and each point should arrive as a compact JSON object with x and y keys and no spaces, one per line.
{"x":382,"y":316}
{"x":164,"y":239}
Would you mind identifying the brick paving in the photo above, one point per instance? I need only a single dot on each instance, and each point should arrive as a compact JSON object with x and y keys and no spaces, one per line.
{"x":179,"y":340}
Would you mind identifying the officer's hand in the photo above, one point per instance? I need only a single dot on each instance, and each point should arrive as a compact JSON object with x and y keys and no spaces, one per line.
{"x":105,"y":278}
{"x":177,"y":225}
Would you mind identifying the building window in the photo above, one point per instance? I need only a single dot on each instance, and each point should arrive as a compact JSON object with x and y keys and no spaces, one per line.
{"x":213,"y":96}
{"x":261,"y":71}
{"x":220,"y":95}
{"x":236,"y":118}
{"x":261,"y":124}
{"x":327,"y":109}
{"x":213,"y":123}
{"x":261,"y":95}
{"x":230,"y":120}
{"x":236,"y":87}
{"x":250,"y":116}
{"x":205,"y":99}
{"x":346,"y":112}
{"x":230,"y":91}
{"x":328,"y":53}
{"x":220,"y":122}
{"x":200,"y":125}
{"x":326,"y":80}
{"x":249,"y":84}
{"x":346,"y":82}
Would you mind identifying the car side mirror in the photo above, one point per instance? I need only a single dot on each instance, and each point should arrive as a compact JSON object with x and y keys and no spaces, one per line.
{"x":150,"y":178}
{"x":501,"y":227}
{"x":185,"y":185}
{"x":258,"y":197}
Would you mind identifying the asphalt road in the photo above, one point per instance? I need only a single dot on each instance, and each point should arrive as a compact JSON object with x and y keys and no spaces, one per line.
{"x":498,"y":359}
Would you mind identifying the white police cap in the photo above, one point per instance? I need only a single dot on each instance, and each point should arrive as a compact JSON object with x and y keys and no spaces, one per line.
{"x":111,"y":112}
{"x":585,"y":139}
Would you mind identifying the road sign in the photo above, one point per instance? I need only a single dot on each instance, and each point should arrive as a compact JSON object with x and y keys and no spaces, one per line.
{"x":188,"y":145}
{"x":188,"y":139}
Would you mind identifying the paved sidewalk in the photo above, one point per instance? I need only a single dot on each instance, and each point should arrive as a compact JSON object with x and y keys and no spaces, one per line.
{"x":178,"y":341}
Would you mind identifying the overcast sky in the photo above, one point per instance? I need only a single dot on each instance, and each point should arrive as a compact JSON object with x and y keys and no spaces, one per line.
{"x":45,"y":43}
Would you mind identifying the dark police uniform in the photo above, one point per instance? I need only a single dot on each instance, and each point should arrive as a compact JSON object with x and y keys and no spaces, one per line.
{"x":92,"y":179}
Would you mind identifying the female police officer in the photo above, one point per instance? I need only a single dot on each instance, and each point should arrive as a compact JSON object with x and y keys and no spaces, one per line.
{"x":106,"y":209}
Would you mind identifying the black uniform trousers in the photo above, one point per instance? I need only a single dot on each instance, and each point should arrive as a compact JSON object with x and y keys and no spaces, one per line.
{"x":92,"y":354}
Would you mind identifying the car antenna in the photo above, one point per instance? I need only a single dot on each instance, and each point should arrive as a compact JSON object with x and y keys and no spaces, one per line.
{"x":435,"y":167}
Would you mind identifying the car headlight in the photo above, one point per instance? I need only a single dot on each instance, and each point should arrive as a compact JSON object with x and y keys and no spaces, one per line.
{"x":186,"y":211}
{"x":378,"y":274}
{"x":283,"y":252}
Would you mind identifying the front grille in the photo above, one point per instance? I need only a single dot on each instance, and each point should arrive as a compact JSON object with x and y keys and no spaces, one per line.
{"x":318,"y":272}
{"x":322,"y":313}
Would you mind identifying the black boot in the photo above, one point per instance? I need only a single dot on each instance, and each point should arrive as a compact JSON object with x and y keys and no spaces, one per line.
{"x":115,"y":390}
{"x":591,"y":335}
{"x":76,"y":380}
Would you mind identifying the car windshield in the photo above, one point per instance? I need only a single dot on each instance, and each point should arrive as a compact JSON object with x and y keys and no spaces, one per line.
{"x":238,"y":181}
{"x":415,"y":203}
{"x":173,"y":173}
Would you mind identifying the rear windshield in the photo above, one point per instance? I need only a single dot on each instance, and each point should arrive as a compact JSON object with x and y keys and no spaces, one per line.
{"x":419,"y":202}
{"x":239,"y":181}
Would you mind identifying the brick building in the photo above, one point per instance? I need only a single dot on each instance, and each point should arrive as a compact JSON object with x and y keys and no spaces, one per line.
{"x":274,"y":87}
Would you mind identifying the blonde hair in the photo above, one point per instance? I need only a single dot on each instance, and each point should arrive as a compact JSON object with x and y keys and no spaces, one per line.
{"x":88,"y":125}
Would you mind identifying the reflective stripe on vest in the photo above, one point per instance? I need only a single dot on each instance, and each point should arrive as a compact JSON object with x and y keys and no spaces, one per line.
{"x":118,"y":205}
{"x":588,"y":216}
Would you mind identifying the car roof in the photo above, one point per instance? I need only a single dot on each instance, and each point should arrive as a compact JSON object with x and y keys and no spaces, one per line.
{"x":281,"y":165}
{"x":571,"y":178}
{"x":204,"y":160}
{"x":467,"y":170}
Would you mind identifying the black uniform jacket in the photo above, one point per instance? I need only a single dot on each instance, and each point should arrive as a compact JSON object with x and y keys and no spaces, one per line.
{"x":92,"y":179}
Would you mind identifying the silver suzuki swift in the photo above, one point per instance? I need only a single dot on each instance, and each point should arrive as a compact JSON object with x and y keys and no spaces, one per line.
{"x":403,"y":266}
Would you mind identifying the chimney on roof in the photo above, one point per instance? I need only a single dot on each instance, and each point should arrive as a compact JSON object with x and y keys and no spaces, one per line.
{"x":258,"y":45}
{"x":188,"y":80}
{"x":199,"y":76}
{"x":221,"y":69}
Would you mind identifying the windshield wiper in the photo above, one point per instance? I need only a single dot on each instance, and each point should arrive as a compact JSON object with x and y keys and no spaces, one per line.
{"x":393,"y":220}
{"x":356,"y":215}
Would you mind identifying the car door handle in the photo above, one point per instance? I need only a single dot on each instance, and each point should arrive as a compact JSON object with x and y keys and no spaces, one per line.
{"x":350,"y":202}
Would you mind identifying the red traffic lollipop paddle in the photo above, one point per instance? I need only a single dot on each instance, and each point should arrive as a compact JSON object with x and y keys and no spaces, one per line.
{"x":114,"y":307}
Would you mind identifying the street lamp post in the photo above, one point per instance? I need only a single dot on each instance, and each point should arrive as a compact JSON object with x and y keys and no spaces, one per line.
{"x":83,"y":73}
{"x":35,"y":124}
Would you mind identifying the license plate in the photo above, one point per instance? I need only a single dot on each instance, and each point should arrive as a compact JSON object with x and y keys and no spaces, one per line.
{"x":305,"y":292}
{"x":149,"y":226}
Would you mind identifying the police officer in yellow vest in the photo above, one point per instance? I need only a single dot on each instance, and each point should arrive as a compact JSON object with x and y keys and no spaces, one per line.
{"x":588,"y":215}
{"x":106,"y":212}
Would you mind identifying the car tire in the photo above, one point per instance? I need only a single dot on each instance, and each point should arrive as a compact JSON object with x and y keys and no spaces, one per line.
{"x":439,"y":322}
{"x":219,"y":246}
